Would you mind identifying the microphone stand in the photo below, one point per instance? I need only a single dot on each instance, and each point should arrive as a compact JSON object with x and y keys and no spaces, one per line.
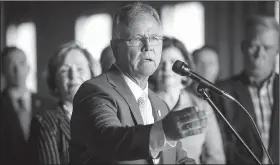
{"x":202,"y":92}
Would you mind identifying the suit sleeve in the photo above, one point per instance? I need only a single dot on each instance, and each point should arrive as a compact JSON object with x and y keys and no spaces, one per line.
{"x":43,"y":140}
{"x":95,"y":124}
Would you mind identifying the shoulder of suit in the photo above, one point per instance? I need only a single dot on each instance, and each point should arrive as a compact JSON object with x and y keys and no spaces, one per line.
{"x":157,"y":98}
{"x":50,"y":117}
{"x":100,"y":80}
{"x":229,"y":82}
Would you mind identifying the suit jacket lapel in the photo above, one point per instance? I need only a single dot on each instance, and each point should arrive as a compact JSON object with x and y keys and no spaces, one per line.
{"x":243,"y":95}
{"x":274,"y":125}
{"x":115,"y":78}
{"x":158,"y":111}
{"x":10,"y":114}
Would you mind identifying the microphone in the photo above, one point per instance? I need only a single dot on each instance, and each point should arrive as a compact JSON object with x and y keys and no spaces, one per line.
{"x":183,"y":69}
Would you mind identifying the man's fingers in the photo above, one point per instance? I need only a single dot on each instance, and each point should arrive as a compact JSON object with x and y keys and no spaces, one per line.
{"x":198,"y":123}
{"x":186,"y":111}
{"x":192,"y":132}
{"x":189,"y":117}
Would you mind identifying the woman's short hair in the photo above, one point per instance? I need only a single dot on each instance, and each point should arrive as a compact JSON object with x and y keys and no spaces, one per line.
{"x":173,"y":42}
{"x":57,"y":59}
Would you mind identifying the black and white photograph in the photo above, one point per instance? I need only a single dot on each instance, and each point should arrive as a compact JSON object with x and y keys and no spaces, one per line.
{"x":139,"y":82}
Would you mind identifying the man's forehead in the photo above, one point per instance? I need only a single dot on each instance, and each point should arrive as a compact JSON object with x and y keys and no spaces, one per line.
{"x":138,"y":22}
{"x":262,"y":32}
{"x":16,"y":55}
{"x":261,"y":29}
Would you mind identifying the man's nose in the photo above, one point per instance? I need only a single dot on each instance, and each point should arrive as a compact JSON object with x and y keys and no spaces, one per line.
{"x":146,"y":45}
{"x":260,"y":52}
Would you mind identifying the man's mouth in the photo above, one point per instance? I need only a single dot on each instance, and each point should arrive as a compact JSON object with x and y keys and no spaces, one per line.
{"x":148,"y":59}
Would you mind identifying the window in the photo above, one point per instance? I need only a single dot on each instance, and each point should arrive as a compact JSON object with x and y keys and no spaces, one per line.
{"x":94,"y":33}
{"x":23,"y":36}
{"x":185,"y":21}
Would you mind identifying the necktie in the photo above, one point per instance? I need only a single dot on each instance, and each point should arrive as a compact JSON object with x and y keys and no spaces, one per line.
{"x":24,"y":117}
{"x":147,"y":116}
{"x":145,"y":109}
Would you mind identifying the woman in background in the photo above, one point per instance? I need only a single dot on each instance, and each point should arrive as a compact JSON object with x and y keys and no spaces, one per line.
{"x":205,"y":148}
{"x":50,"y":129}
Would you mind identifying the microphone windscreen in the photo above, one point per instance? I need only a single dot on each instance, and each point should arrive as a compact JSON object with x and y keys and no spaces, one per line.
{"x":177,"y":67}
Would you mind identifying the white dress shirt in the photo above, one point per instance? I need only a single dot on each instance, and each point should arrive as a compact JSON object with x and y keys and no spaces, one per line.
{"x":262,"y":98}
{"x":158,"y":140}
{"x":23,"y":109}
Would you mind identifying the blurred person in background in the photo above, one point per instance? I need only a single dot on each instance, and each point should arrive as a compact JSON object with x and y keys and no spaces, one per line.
{"x":107,"y":58}
{"x":207,"y":63}
{"x":205,"y":148}
{"x":257,"y":89}
{"x":17,"y":106}
{"x":68,"y":68}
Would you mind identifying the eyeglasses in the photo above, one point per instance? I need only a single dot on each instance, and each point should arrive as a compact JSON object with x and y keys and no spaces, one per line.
{"x":140,"y":41}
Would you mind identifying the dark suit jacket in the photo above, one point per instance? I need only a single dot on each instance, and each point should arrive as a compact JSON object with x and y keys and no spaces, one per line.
{"x":49,"y":138}
{"x":107,"y":126}
{"x":12,"y":143}
{"x":235,"y":152}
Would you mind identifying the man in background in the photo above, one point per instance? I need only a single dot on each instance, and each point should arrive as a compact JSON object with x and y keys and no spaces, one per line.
{"x":17,"y":106}
{"x":257,"y":89}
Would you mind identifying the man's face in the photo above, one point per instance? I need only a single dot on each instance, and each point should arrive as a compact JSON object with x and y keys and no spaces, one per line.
{"x":141,"y":59}
{"x":260,"y":50}
{"x":16,"y":69}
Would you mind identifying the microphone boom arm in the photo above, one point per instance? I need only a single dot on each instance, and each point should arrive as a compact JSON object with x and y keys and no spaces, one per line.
{"x":206,"y":97}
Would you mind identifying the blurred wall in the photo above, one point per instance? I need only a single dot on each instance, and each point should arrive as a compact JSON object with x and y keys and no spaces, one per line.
{"x":55,"y":22}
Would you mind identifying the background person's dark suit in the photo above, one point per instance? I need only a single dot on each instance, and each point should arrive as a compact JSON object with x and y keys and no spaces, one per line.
{"x":107,"y":102}
{"x":49,"y":137}
{"x":235,"y":151}
{"x":12,"y":143}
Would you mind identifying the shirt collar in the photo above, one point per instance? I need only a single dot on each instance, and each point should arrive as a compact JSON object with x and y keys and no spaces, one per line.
{"x":266,"y":81}
{"x":135,"y":88}
{"x":15,"y":94}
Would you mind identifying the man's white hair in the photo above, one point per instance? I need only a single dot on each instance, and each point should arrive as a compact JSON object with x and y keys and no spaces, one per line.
{"x":125,"y":14}
{"x":256,"y":21}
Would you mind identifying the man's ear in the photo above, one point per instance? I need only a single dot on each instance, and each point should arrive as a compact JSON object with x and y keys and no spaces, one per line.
{"x":114,"y":48}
